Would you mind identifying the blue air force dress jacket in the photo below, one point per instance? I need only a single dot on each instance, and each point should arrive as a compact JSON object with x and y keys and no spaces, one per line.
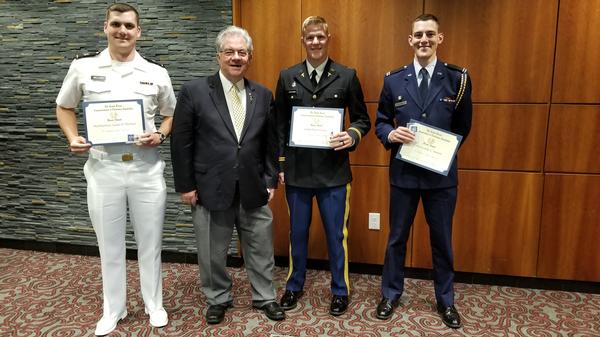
{"x":448,"y":106}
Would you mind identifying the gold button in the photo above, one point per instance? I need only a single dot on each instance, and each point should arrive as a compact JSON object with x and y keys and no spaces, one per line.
{"x":127,"y":157}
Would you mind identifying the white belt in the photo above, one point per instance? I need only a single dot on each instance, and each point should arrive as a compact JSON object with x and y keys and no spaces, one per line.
{"x":149,"y":154}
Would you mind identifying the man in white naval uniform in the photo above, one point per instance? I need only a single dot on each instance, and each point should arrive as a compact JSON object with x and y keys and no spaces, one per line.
{"x":123,"y":175}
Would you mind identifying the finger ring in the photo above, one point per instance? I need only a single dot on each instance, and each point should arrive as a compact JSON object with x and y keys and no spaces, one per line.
{"x":342,"y":142}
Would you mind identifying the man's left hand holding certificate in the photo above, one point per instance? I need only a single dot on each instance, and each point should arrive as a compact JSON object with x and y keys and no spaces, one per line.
{"x":433,"y":149}
{"x":113,"y":122}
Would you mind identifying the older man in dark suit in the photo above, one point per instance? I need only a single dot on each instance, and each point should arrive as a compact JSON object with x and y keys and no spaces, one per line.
{"x":223,"y":149}
{"x":438,"y":94}
{"x":323,"y":173}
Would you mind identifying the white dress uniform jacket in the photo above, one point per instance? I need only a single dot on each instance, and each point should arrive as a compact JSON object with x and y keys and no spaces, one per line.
{"x":115,"y":181}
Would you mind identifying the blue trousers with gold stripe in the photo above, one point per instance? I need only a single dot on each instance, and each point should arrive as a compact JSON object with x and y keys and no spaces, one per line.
{"x":334,"y":206}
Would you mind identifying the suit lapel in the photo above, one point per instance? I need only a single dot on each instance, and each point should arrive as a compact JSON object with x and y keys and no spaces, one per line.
{"x":218,"y":97}
{"x":250,"y":107}
{"x":436,"y":84}
{"x":301,"y":76}
{"x":329,"y":75}
{"x":411,"y":86}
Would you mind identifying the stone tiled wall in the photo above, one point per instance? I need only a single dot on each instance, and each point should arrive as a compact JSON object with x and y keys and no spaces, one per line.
{"x":42,"y":187}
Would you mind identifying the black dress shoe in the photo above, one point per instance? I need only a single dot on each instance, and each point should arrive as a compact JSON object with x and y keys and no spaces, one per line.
{"x":289,"y":300}
{"x":385,"y":308}
{"x":216,"y":313}
{"x":339,"y":305}
{"x":273,"y":311}
{"x":449,"y":316}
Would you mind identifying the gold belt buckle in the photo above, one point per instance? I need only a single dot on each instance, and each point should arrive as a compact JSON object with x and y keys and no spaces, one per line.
{"x":127,"y":157}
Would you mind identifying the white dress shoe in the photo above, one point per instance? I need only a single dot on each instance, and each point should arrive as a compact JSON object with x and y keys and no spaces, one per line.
{"x":107,"y":324}
{"x":158,"y":318}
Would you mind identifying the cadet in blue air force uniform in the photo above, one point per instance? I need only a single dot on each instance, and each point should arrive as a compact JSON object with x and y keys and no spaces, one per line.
{"x":444,"y":102}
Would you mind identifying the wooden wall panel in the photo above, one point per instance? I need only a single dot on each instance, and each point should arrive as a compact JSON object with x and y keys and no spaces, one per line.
{"x":275,"y":30}
{"x":370,"y":36}
{"x":281,"y":223}
{"x":506,"y":137}
{"x":573,"y":139}
{"x":570,"y":228}
{"x":370,"y":151}
{"x":508,"y":46}
{"x":370,"y":193}
{"x":576,"y":74}
{"x":496,"y":224}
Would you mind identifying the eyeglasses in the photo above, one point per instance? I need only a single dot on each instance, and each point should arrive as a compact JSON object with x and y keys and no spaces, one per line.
{"x":230,"y":52}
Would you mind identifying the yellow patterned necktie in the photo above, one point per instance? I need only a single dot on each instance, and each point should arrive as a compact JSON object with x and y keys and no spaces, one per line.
{"x":237,"y":115}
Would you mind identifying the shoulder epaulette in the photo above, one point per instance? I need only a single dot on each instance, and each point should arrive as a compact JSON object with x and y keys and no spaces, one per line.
{"x":80,"y":56}
{"x":463,"y":81}
{"x":455,"y":67}
{"x":396,"y":70}
{"x":152,"y":61}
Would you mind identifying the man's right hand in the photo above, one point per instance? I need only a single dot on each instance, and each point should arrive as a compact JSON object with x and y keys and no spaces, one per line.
{"x":190,"y":198}
{"x":401,"y":135}
{"x":281,"y":178}
{"x":79,"y":145}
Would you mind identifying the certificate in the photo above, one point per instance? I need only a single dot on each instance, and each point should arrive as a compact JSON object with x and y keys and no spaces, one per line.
{"x":113,"y":122}
{"x":433,"y":148}
{"x":313,"y":127}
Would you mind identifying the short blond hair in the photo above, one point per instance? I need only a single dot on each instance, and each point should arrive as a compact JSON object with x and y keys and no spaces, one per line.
{"x":315,"y":20}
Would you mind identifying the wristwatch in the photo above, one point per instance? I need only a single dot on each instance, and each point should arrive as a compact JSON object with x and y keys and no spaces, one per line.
{"x":162,"y":136}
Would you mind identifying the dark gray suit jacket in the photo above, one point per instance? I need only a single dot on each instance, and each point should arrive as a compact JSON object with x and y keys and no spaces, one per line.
{"x":205,"y":152}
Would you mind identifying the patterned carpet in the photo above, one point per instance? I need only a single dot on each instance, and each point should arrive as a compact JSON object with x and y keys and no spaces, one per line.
{"x":45,"y":294}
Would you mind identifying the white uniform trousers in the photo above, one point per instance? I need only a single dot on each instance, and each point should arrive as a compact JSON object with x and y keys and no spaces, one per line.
{"x":112,"y":185}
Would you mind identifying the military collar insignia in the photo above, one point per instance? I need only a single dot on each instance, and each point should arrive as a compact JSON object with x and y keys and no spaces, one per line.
{"x":78,"y":56}
{"x":396,"y":70}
